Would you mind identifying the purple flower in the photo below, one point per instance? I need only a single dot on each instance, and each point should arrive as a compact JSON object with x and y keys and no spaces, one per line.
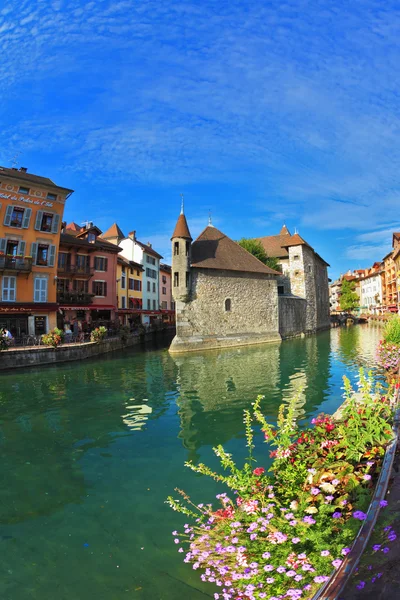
{"x":315,"y":491}
{"x":266,"y":555}
{"x":336,"y":563}
{"x":295,"y":540}
{"x":298,"y":577}
{"x":176,"y":541}
{"x":361,"y":585}
{"x":309,"y":520}
{"x":345,"y":551}
{"x":383,"y":503}
{"x":325,"y":553}
{"x":281,"y":569}
{"x":268,"y":568}
{"x":336,"y":515}
{"x":385,"y":550}
{"x":392,"y":536}
{"x":366,"y":477}
{"x":376,"y":547}
{"x":290,"y":573}
{"x":358,"y":514}
{"x":270,"y":580}
{"x":320,"y":578}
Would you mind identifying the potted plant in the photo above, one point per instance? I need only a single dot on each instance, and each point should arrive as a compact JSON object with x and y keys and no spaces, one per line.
{"x":54,"y":338}
{"x":98,"y":334}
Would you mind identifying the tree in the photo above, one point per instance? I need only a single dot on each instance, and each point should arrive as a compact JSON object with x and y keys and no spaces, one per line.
{"x":349,"y":299}
{"x":256,"y":248}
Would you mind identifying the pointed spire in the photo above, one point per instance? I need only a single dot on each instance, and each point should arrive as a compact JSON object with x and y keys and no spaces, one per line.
{"x":284,"y":231}
{"x":181,"y":228}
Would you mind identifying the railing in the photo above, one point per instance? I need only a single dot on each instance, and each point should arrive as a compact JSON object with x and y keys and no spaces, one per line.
{"x":13,"y":263}
{"x":75,"y":270}
{"x":74,"y":298}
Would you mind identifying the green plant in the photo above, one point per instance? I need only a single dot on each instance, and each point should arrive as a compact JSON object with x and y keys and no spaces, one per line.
{"x":349,"y":299}
{"x":54,"y":338}
{"x":98,"y":334}
{"x":279,"y":533}
{"x":391,"y":332}
{"x":256,"y":248}
{"x":4,"y":343}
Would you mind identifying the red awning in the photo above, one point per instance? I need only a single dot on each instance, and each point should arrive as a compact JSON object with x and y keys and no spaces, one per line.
{"x":102,"y":307}
{"x":74,"y":307}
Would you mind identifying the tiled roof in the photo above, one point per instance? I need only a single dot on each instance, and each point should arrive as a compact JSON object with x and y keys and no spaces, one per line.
{"x":277,"y":245}
{"x":30,"y":178}
{"x":113,"y":232}
{"x":129,"y":263}
{"x":148,"y":249}
{"x":181,"y":228}
{"x":68,"y":240}
{"x":214,"y":250}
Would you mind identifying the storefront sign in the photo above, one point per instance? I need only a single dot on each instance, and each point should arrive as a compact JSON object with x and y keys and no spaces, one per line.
{"x":26,"y":200}
{"x":74,"y":308}
{"x":19,"y":309}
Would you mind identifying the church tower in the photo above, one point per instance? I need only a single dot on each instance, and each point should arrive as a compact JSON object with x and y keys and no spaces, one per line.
{"x":181,"y":259}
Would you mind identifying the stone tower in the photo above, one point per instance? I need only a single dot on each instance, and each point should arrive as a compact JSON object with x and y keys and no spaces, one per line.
{"x":181,"y":260}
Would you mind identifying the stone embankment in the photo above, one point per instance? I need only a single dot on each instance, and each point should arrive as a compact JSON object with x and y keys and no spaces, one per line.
{"x":14,"y":358}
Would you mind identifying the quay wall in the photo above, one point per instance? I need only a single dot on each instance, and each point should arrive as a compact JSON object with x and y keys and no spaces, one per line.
{"x":14,"y":358}
{"x":292,"y":316}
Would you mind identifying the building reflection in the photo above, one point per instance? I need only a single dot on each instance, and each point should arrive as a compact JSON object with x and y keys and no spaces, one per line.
{"x":216,"y":386}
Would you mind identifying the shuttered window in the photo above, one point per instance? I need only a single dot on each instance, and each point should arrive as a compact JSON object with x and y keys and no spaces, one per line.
{"x":40,"y":290}
{"x":9,"y":289}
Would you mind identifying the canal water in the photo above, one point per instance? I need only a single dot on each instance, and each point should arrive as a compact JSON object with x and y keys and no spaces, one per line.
{"x":89,"y":451}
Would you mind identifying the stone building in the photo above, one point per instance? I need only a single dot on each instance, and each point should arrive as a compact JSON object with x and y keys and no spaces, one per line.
{"x":224,"y":296}
{"x":304,"y":278}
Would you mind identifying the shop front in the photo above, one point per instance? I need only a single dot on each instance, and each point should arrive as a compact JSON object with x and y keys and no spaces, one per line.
{"x":87,"y":316}
{"x":28,"y":319}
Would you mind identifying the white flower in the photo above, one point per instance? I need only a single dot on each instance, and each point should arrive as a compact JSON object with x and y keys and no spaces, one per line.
{"x":327,"y":487}
{"x":311,"y":510}
{"x":294,"y":505}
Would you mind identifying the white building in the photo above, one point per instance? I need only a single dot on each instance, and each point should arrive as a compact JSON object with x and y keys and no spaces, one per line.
{"x":334,"y":295}
{"x":144,"y":254}
{"x":371,"y":297}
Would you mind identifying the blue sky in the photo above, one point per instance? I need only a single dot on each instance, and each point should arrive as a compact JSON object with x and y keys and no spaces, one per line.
{"x":262,"y":112}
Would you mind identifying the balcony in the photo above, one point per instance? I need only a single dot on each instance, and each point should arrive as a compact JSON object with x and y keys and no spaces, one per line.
{"x":75,"y":270}
{"x":74,"y":298}
{"x":15,"y":264}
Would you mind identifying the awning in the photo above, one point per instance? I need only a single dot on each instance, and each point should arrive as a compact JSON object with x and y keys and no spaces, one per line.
{"x":102,"y":307}
{"x":74,"y":307}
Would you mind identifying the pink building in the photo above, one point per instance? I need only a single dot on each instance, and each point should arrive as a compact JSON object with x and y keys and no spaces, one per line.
{"x":167,"y":304}
{"x":86,"y":276}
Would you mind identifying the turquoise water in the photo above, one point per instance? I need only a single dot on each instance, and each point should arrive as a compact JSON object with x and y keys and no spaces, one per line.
{"x":89,"y":452}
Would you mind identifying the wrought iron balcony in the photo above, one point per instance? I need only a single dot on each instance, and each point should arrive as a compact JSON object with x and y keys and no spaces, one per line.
{"x":15,"y":264}
{"x":74,"y":298}
{"x":80,"y":271}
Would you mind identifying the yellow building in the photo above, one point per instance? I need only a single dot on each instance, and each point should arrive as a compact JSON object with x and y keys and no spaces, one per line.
{"x":396,"y":260}
{"x":31,"y":212}
{"x":129,"y":291}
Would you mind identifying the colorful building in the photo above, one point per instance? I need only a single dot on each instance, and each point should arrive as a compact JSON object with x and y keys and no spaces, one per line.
{"x":167,"y":305}
{"x":389,"y":291}
{"x":129,"y":291}
{"x":31,"y":212}
{"x":371,"y":298}
{"x":396,"y":259}
{"x":144,"y":254}
{"x":87,"y":274}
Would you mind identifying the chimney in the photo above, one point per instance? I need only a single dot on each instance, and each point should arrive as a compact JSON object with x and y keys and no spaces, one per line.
{"x":149,"y":245}
{"x":132,"y":234}
{"x":23,"y":169}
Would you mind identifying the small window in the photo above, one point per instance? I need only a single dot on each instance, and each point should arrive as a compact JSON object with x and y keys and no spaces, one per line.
{"x":154,"y":288}
{"x":228,"y":305}
{"x":176,"y":248}
{"x":17,"y":217}
{"x":154,"y":305}
{"x":281,"y":290}
{"x":42,"y":255}
{"x":91,"y":237}
{"x":148,"y":286}
{"x":176,"y":279}
{"x":23,"y":190}
{"x":51,"y":196}
{"x":187,"y":248}
{"x":309,"y":268}
{"x":164,"y":279}
{"x":12,"y":248}
{"x":164,"y":291}
{"x":148,"y":305}
{"x":123,"y":299}
{"x":47,"y":222}
{"x":296,"y":257}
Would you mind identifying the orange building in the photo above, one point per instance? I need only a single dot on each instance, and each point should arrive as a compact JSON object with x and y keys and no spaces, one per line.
{"x":389,"y":291}
{"x":31,"y":211}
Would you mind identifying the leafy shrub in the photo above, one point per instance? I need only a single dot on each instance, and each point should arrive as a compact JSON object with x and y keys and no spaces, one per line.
{"x":282,"y":535}
{"x":54,"y":338}
{"x":98,"y":334}
{"x":391,"y":332}
{"x":4,"y":343}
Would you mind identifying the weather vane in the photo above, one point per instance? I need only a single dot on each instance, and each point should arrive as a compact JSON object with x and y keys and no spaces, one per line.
{"x":14,"y":161}
{"x":182,"y":203}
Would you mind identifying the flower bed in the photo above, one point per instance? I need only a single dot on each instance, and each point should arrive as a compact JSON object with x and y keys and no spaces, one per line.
{"x":280,"y":536}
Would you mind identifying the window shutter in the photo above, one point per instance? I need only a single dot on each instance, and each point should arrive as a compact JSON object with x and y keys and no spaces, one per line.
{"x":27,"y":218}
{"x":106,"y":264}
{"x":56,"y":222}
{"x":36,"y":297}
{"x":7,"y":218}
{"x":21,"y":248}
{"x":93,"y":287}
{"x":95,"y":263}
{"x":43,"y":290}
{"x":34,"y":253}
{"x":52,"y":255}
{"x":3,"y":243}
{"x":12,"y":288}
{"x":38,"y":222}
{"x":105,"y":288}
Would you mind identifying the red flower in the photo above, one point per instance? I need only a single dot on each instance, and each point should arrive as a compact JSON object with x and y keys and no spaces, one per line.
{"x":259,"y":471}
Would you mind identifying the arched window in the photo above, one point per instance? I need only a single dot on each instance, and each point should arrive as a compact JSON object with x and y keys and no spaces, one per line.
{"x":228,"y":305}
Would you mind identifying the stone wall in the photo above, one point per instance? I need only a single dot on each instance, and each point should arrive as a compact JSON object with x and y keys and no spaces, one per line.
{"x":322,"y":294}
{"x":292,"y":316}
{"x":203,"y":321}
{"x":43,"y":355}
